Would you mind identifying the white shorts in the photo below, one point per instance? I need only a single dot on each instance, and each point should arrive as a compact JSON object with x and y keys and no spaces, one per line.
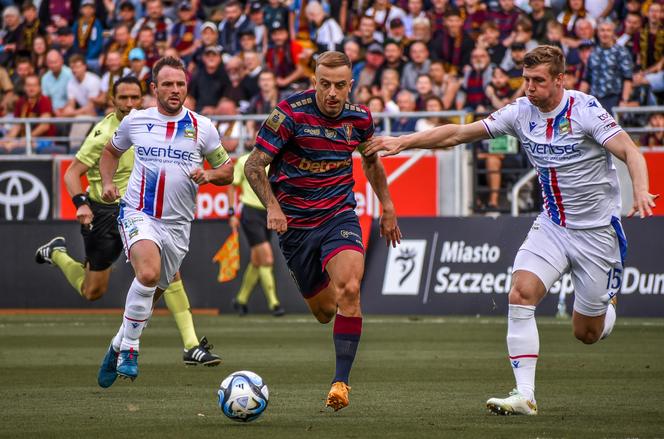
{"x":594,"y":257}
{"x":171,"y":238}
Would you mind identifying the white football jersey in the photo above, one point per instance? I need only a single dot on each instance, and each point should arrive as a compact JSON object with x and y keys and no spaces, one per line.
{"x":167,"y":149}
{"x":579,"y":183}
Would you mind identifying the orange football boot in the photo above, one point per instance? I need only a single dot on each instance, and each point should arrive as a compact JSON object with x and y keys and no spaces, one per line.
{"x":338,"y":396}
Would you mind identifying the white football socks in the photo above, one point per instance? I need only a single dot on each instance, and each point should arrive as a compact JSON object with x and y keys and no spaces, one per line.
{"x":523,"y":347}
{"x":609,"y":321}
{"x":138,"y":308}
{"x":117,"y":340}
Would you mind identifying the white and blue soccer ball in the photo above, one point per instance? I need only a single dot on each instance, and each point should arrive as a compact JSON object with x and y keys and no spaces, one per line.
{"x":243,"y":396}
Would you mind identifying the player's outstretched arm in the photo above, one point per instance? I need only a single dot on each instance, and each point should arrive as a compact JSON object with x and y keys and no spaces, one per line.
{"x":254,"y":170}
{"x":389,"y":229}
{"x":108,"y":164}
{"x":444,"y":136}
{"x":622,"y":146}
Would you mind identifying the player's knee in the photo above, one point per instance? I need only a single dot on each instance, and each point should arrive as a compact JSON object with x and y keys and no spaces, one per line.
{"x":148,"y":276}
{"x":93,"y":292}
{"x":587,"y":335}
{"x":519,"y":296}
{"x":325,"y":315}
{"x":348,"y":291}
{"x":267,"y":261}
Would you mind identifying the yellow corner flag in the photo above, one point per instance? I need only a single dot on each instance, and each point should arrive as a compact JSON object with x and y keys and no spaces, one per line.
{"x":228,"y":257}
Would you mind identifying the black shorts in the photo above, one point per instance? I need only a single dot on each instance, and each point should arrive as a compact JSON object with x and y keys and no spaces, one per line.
{"x":103,"y":244}
{"x":254,"y":225}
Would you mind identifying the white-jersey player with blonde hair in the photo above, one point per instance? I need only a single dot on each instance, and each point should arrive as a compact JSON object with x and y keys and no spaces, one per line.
{"x":170,"y":143}
{"x":570,"y":139}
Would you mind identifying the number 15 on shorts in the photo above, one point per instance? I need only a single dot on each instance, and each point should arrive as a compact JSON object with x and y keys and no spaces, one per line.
{"x":614,"y":281}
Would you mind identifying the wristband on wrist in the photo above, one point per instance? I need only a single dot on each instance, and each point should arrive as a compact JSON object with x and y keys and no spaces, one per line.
{"x":79,"y":200}
{"x":231,"y":211}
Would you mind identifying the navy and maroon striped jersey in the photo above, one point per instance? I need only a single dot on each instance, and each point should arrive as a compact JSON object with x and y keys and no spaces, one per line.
{"x":312,"y":168}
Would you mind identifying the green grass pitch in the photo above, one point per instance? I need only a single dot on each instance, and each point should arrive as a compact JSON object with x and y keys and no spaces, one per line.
{"x":413,"y":378}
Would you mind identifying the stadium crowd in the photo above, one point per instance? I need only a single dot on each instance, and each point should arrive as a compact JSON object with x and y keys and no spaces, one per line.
{"x":59,"y":58}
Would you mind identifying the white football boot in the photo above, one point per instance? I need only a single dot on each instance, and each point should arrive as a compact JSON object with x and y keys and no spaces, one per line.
{"x":515,"y":404}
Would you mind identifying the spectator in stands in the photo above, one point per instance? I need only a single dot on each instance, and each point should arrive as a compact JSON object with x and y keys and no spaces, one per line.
{"x":415,"y":11}
{"x":599,"y":9}
{"x":609,"y":73}
{"x":367,"y":34}
{"x":82,"y":90}
{"x":656,"y":138}
{"x":419,"y":64}
{"x":38,"y":56}
{"x":505,"y":18}
{"x":266,"y":99}
{"x":283,"y":58}
{"x":186,"y":32}
{"x":651,"y":40}
{"x":57,"y":12}
{"x":208,"y":84}
{"x":114,"y":71}
{"x":31,"y":27}
{"x":394,"y":58}
{"x":121,"y":42}
{"x":383,"y":12}
{"x":127,"y":14}
{"x":327,"y":33}
{"x":432,"y":104}
{"x":475,"y":16}
{"x":89,"y":34}
{"x":54,"y":82}
{"x":352,"y":51}
{"x":23,"y":69}
{"x":629,"y":34}
{"x":209,"y":37}
{"x":229,"y":29}
{"x":275,"y":11}
{"x":523,"y":33}
{"x":370,"y":74}
{"x":424,"y":89}
{"x":516,"y":72}
{"x":406,"y":103}
{"x":146,"y":41}
{"x":584,"y":50}
{"x":33,"y":104}
{"x":574,"y":10}
{"x":583,"y":30}
{"x":235,"y":90}
{"x":389,"y":87}
{"x":155,"y":19}
{"x":7,"y":95}
{"x":248,"y":41}
{"x":252,"y":66}
{"x":139,"y":70}
{"x":377,"y":105}
{"x":499,"y":91}
{"x":436,"y":15}
{"x":489,"y":40}
{"x":555,"y":34}
{"x":453,"y":46}
{"x":10,"y":34}
{"x":257,"y":17}
{"x":229,"y":131}
{"x":539,"y":16}
{"x":570,"y":78}
{"x":444,"y":85}
{"x":422,"y":32}
{"x":64,"y":43}
{"x":476,"y":78}
{"x":397,"y":34}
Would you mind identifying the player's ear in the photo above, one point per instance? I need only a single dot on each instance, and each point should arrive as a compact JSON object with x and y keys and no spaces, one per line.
{"x":153,"y":86}
{"x":352,"y":81}
{"x":313,"y":81}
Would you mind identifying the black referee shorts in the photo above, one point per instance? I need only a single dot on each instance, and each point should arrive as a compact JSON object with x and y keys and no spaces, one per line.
{"x":254,"y":225}
{"x":103,"y":244}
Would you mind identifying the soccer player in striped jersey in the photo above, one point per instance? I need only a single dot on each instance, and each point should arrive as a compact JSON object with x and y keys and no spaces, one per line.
{"x":308,"y":141}
{"x":570,"y":139}
{"x":170,"y":143}
{"x":99,"y":227}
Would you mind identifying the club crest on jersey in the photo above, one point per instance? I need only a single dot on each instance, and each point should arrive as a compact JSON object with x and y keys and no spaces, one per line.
{"x":275,"y":119}
{"x":330,"y":134}
{"x":189,"y":131}
{"x":564,"y":126}
{"x":348,"y":131}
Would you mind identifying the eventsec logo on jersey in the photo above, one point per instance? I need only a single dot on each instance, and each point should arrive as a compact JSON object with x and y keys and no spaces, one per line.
{"x":156,"y":152}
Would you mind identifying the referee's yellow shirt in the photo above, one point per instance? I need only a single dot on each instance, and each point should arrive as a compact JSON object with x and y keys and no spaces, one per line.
{"x":248,"y":196}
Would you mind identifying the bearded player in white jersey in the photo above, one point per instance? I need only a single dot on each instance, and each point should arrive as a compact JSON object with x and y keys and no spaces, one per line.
{"x":569,"y":138}
{"x":170,"y":143}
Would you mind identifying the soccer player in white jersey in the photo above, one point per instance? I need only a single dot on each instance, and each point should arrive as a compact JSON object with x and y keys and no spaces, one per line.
{"x":569,"y":138}
{"x":170,"y":143}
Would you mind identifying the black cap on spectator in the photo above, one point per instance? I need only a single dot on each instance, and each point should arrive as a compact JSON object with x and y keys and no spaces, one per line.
{"x":518,"y":46}
{"x":277,"y":25}
{"x":396,"y":22}
{"x":126,"y":4}
{"x":64,"y":31}
{"x":375,"y":48}
{"x":213,"y":49}
{"x":256,"y":6}
{"x":586,"y":44}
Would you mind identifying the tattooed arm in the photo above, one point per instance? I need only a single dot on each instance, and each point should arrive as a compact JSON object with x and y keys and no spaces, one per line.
{"x":254,"y":170}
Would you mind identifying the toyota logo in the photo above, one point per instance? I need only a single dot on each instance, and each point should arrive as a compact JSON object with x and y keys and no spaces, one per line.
{"x":21,"y":189}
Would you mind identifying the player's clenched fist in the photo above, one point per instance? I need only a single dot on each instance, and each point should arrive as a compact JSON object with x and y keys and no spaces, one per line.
{"x":199,"y":176}
{"x":276,"y":220}
{"x":110,"y":193}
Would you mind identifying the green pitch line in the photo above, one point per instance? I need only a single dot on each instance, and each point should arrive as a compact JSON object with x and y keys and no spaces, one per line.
{"x":414,"y":378}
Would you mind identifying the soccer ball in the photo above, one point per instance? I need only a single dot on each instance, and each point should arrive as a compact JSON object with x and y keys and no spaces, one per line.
{"x":243,"y":396}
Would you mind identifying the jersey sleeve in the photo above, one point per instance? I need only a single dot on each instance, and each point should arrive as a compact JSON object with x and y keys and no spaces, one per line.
{"x":367,"y":130}
{"x":598,"y":123}
{"x":121,"y":139}
{"x":502,"y":121}
{"x":91,"y":149}
{"x":211,"y":147}
{"x":276,"y":131}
